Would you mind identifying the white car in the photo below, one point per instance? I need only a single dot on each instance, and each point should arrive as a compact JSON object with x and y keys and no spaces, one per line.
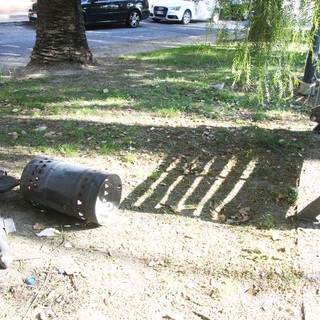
{"x":184,"y":11}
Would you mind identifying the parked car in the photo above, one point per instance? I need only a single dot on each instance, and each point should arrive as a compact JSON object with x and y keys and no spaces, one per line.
{"x":184,"y":11}
{"x":32,"y":13}
{"x":235,"y":10}
{"x":101,"y":12}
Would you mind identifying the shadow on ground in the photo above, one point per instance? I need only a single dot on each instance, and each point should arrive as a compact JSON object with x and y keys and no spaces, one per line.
{"x":236,"y":175}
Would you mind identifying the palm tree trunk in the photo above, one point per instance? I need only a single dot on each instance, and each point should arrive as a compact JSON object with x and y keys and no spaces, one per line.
{"x":61,"y":36}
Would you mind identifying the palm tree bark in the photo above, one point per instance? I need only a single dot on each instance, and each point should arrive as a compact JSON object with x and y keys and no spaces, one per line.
{"x":61,"y":36}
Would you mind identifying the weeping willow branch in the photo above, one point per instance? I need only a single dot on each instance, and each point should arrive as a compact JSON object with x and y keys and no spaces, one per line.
{"x":276,"y":31}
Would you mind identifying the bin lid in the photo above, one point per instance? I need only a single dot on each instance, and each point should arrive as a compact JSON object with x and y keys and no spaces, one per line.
{"x":7,"y":182}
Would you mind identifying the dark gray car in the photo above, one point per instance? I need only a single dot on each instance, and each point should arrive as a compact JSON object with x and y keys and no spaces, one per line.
{"x":102,"y":12}
{"x":131,"y":12}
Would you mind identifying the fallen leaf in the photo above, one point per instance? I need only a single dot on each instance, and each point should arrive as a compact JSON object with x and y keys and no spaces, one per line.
{"x":172,"y":316}
{"x":158,"y":262}
{"x":72,"y":271}
{"x":244,"y":210}
{"x":14,"y":135}
{"x":214,"y":215}
{"x":38,"y":226}
{"x":245,"y":218}
{"x":49,"y":134}
{"x":252,"y":290}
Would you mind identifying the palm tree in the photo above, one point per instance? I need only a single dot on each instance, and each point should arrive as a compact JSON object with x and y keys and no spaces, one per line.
{"x":61,"y":36}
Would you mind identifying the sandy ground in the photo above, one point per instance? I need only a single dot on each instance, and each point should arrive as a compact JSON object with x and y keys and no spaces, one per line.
{"x":143,"y":265}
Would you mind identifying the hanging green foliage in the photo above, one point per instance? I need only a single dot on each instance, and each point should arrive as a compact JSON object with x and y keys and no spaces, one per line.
{"x":268,"y":48}
{"x":267,"y":22}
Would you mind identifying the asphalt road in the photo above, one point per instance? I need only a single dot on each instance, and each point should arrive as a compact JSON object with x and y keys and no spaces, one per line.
{"x":17,"y":39}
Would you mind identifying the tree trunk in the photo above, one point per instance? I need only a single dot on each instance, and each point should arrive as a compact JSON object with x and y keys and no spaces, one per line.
{"x":61,"y":36}
{"x":312,"y":58}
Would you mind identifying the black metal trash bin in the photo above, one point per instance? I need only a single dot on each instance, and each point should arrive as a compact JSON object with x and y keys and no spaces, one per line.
{"x":76,"y":191}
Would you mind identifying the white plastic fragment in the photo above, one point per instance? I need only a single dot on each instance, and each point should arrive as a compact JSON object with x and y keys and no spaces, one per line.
{"x":49,"y":232}
{"x":67,"y":245}
{"x":217,"y":86}
{"x":41,"y":128}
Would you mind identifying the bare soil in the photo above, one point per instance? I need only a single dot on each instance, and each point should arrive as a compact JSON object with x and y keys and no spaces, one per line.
{"x":205,"y":229}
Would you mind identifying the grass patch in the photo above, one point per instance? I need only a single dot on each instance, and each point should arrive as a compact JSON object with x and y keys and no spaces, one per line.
{"x":164,"y":83}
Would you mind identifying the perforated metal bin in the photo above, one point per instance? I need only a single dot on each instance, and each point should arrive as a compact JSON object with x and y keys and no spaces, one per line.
{"x":70,"y":189}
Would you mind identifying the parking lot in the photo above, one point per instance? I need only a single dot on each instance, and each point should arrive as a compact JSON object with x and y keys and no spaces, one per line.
{"x":17,"y":37}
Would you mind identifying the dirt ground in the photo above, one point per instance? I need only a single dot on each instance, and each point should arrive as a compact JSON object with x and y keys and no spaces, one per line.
{"x":147,"y":266}
{"x":169,"y":252}
{"x":204,"y":230}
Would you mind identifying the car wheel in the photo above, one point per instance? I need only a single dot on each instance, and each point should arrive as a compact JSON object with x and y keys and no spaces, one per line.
{"x":133,"y":19}
{"x":186,"y":18}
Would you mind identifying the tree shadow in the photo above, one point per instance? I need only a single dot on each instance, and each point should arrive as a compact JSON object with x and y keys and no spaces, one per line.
{"x":219,"y":188}
{"x":236,"y":175}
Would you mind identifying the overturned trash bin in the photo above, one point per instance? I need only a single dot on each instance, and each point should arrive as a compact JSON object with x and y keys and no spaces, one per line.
{"x":70,"y":189}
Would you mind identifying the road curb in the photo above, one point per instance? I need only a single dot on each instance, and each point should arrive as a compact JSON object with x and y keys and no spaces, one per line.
{"x":16,"y":22}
